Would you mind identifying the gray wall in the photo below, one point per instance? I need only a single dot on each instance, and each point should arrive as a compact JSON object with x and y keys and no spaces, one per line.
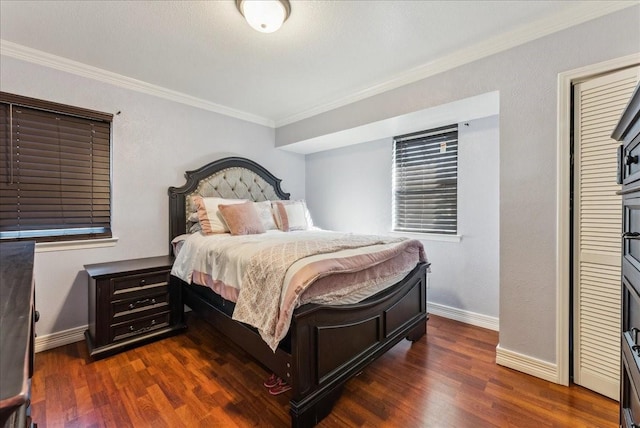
{"x":526,"y":77}
{"x":349,"y":189}
{"x":154,"y":142}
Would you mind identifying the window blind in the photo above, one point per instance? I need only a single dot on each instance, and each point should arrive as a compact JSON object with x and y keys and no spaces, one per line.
{"x":54,"y":171}
{"x":425,"y":181}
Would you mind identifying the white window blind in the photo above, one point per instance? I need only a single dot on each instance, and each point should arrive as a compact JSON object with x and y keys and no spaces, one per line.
{"x":425,"y":181}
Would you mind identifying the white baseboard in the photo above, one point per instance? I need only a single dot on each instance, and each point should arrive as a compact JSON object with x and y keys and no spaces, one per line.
{"x":479,"y":320}
{"x":526,"y":364}
{"x":60,"y":338}
{"x":504,"y":357}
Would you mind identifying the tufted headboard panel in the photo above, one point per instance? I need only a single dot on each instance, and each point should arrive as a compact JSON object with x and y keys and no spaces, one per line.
{"x":232,"y":178}
{"x":233,"y":183}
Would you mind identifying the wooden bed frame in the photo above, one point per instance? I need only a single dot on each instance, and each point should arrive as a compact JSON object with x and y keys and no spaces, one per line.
{"x":326,"y":345}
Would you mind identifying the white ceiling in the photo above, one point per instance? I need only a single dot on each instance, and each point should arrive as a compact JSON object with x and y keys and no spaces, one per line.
{"x":326,"y":54}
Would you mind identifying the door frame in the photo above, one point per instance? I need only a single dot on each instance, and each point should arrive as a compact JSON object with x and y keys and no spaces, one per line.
{"x":563,"y":192}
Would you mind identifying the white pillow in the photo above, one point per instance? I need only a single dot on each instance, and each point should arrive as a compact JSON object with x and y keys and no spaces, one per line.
{"x":292,"y":215}
{"x":266,"y":215}
{"x":209,"y":216}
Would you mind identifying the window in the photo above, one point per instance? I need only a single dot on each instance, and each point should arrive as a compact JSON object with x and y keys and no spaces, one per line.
{"x":55,"y":168}
{"x":425,"y":181}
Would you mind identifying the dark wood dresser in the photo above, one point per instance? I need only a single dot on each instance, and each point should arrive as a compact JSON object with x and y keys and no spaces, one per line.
{"x":17,"y":333}
{"x":628,"y":132}
{"x":131,"y":302}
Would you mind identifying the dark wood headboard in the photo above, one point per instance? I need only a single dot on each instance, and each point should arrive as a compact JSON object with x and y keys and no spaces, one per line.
{"x":232,"y":178}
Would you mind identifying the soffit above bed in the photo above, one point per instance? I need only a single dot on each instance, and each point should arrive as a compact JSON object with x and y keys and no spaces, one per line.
{"x":468,"y":109}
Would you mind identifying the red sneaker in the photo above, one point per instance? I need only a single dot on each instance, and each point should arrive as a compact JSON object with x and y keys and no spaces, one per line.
{"x":271,"y":381}
{"x":281,"y":387}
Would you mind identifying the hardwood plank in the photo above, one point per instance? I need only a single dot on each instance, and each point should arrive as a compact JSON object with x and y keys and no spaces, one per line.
{"x":201,"y":379}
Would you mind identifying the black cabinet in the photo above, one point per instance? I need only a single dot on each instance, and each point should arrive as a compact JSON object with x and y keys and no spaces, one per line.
{"x":628,"y":132}
{"x":131,"y":302}
{"x":17,"y":333}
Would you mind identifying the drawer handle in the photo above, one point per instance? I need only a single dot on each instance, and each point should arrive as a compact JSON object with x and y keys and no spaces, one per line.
{"x":141,"y":302}
{"x":142,"y":282}
{"x":629,"y":160}
{"x":630,"y":235}
{"x":142,"y":329}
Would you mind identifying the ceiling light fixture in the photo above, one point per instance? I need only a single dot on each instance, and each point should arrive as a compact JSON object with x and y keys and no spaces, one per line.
{"x":265,"y":16}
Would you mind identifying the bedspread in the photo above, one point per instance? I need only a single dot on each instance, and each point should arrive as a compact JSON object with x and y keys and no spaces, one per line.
{"x":274,"y":273}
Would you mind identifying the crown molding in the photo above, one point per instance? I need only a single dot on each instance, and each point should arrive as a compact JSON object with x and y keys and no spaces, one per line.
{"x":35,"y":56}
{"x":580,"y":13}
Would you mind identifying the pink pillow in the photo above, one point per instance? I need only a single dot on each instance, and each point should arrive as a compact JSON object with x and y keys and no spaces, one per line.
{"x":242,"y":219}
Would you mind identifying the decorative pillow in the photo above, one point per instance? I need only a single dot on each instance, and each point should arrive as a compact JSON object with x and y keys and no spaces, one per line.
{"x":195,"y":227}
{"x":291,"y":215}
{"x":266,"y":214}
{"x":209,"y":216}
{"x":242,"y":219}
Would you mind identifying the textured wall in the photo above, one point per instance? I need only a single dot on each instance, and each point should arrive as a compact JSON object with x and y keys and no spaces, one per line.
{"x":154,"y":142}
{"x":526,"y":77}
{"x":356,"y":196}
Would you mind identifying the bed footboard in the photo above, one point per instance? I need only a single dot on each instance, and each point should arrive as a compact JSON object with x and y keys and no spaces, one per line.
{"x":331,"y":344}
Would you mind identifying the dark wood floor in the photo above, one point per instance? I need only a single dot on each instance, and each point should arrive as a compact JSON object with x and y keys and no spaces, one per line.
{"x":198,"y":379}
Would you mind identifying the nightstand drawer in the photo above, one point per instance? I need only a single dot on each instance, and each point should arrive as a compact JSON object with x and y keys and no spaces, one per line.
{"x":139,"y":326}
{"x":139,"y":284}
{"x":127,"y":309}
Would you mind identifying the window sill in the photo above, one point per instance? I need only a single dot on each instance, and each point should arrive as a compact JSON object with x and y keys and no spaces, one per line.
{"x":429,"y":236}
{"x":43,"y":247}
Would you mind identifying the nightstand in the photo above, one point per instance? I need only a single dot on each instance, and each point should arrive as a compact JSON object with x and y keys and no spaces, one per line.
{"x":131,"y":302}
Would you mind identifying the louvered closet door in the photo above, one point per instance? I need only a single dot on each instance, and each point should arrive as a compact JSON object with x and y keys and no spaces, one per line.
{"x":597,"y":228}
